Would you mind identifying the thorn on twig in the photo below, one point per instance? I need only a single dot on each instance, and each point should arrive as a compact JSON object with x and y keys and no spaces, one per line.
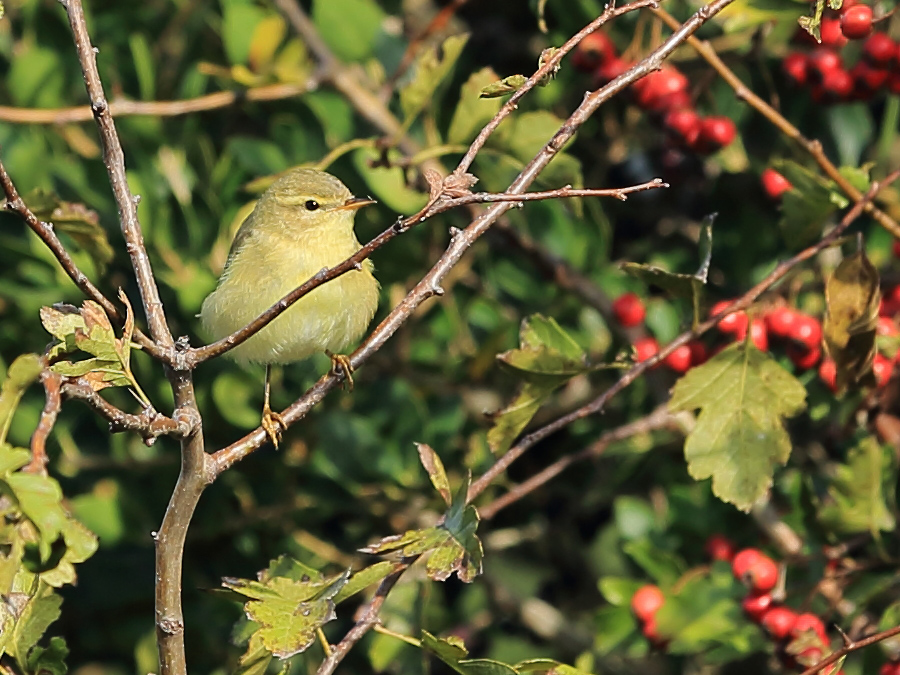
{"x":437,"y":290}
{"x":454,"y":231}
{"x":848,"y":642}
{"x":137,"y":199}
{"x":357,"y":265}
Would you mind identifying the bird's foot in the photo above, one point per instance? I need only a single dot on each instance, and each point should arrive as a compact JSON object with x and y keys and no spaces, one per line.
{"x":273,"y":424}
{"x":340,"y":364}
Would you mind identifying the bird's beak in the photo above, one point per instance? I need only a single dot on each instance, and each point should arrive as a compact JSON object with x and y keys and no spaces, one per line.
{"x":355,"y":203}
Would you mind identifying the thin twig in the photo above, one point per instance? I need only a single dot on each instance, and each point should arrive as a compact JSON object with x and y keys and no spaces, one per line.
{"x":123,"y":108}
{"x":114,"y":159}
{"x":742,"y":303}
{"x":852,"y":647}
{"x":52,"y":406}
{"x":47,"y":234}
{"x":813,"y":147}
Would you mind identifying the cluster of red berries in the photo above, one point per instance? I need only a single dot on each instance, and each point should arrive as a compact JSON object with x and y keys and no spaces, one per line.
{"x":823,"y":70}
{"x":645,"y":603}
{"x":663,"y":94}
{"x":798,"y":332}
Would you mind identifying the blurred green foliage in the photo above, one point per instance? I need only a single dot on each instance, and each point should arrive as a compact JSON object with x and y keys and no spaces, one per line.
{"x":560,"y":564}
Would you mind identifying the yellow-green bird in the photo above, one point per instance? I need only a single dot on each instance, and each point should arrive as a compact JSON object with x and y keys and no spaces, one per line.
{"x":302,"y":224}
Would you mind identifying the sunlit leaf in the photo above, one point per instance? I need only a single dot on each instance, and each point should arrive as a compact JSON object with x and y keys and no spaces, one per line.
{"x":428,"y":71}
{"x":472,"y":112}
{"x":21,"y":373}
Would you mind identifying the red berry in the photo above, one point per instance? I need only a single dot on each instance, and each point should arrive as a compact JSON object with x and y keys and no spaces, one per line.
{"x":684,"y":124}
{"x":886,"y":326}
{"x":867,"y":79}
{"x":830,"y":32}
{"x":592,"y":51}
{"x":629,"y":310}
{"x":779,"y":621}
{"x":645,"y":348}
{"x":646,"y":601}
{"x":699,"y":354}
{"x":821,"y":62}
{"x":763,"y":574}
{"x":781,"y":321}
{"x":651,"y":632}
{"x":610,"y":70}
{"x":807,"y":621}
{"x":893,"y":82}
{"x":716,"y":132}
{"x":883,"y":369}
{"x":890,"y":668}
{"x":743,"y":560}
{"x":736,"y":322}
{"x":759,"y":335}
{"x":756,"y":604}
{"x":837,"y":84}
{"x":774,"y":184}
{"x":659,"y":84}
{"x":856,"y":22}
{"x":719,"y":547}
{"x":807,"y":331}
{"x":828,"y":374}
{"x":895,"y":248}
{"x":809,"y":656}
{"x":802,"y":357}
{"x":680,"y":359}
{"x":794,"y":66}
{"x":880,"y":50}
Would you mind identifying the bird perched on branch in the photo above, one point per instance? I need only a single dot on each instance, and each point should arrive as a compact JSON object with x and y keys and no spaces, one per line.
{"x":302,"y":224}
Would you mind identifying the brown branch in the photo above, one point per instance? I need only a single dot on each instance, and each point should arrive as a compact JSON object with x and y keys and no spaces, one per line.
{"x":124,"y":108}
{"x":114,"y":159}
{"x":198,"y":355}
{"x":149,"y":424}
{"x":430,"y":284}
{"x":742,"y":303}
{"x":813,"y":147}
{"x":47,"y":234}
{"x":660,"y":418}
{"x":52,"y":406}
{"x":851,"y":646}
{"x":365,"y":622}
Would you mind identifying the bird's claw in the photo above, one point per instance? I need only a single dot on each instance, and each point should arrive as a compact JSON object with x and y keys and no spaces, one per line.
{"x":273,"y":424}
{"x":340,"y":364}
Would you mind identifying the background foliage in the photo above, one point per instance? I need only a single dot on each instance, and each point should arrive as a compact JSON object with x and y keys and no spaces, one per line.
{"x":560,"y":565}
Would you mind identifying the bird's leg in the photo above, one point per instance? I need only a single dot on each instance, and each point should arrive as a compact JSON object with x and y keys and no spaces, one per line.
{"x":340,"y":363}
{"x":272,"y":422}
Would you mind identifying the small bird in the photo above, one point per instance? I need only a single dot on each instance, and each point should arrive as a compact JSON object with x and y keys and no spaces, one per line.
{"x":302,"y":224}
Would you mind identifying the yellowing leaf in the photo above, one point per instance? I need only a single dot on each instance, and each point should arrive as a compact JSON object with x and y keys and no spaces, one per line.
{"x":852,"y":297}
{"x":743,"y":396}
{"x":267,"y":37}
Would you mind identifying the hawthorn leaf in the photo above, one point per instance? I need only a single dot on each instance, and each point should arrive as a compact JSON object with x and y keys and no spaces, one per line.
{"x":32,"y":620}
{"x":436,"y":472}
{"x":472,"y":112}
{"x":19,"y":376}
{"x":365,"y":578}
{"x":289,"y":611}
{"x":547,"y":358}
{"x":50,"y":660}
{"x":744,"y":396}
{"x":452,"y":651}
{"x":857,"y":501}
{"x":429,"y":70}
{"x":508,"y":85}
{"x":77,"y":221}
{"x":256,"y":658}
{"x":852,"y":298}
{"x":547,"y":667}
{"x":807,"y":206}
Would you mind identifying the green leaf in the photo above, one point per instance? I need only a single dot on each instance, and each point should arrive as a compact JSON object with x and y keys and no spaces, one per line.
{"x":289,"y":611}
{"x":12,"y":459}
{"x":239,"y":21}
{"x":546,"y":358}
{"x":349,"y":27}
{"x":453,"y":544}
{"x":19,"y":376}
{"x":807,"y":206}
{"x":857,"y":493}
{"x":50,"y":659}
{"x":547,"y":666}
{"x":389,"y":185}
{"x":365,"y":578}
{"x":508,"y":85}
{"x":256,"y":659}
{"x":618,"y":590}
{"x":472,"y":112}
{"x":744,"y":397}
{"x":436,"y":473}
{"x":853,"y":298}
{"x":32,"y":620}
{"x":428,"y":71}
{"x":685,"y":286}
{"x":267,"y":38}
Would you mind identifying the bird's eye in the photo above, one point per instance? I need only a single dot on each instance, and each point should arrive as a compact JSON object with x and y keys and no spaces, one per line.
{"x":311,"y":204}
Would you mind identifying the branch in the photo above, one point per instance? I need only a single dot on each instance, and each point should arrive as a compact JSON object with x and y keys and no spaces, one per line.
{"x":47,"y":234}
{"x":660,"y":418}
{"x":814,"y":148}
{"x":742,"y":303}
{"x":150,"y":424}
{"x":114,"y":159}
{"x":851,"y":646}
{"x":53,"y":405}
{"x":461,"y":240}
{"x":124,"y":108}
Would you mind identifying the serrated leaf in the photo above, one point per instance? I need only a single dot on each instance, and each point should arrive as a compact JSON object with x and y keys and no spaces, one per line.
{"x":19,"y":376}
{"x":365,"y":578}
{"x":472,"y":112}
{"x":49,"y":660}
{"x":435,"y":469}
{"x":454,"y":546}
{"x":288,"y":611}
{"x":40,"y":610}
{"x":744,"y":396}
{"x":857,"y":491}
{"x":256,"y":658}
{"x":12,"y":458}
{"x":428,"y":71}
{"x":852,"y":297}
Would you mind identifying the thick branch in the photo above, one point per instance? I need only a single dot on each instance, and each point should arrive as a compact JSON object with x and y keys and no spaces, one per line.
{"x":114,"y":158}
